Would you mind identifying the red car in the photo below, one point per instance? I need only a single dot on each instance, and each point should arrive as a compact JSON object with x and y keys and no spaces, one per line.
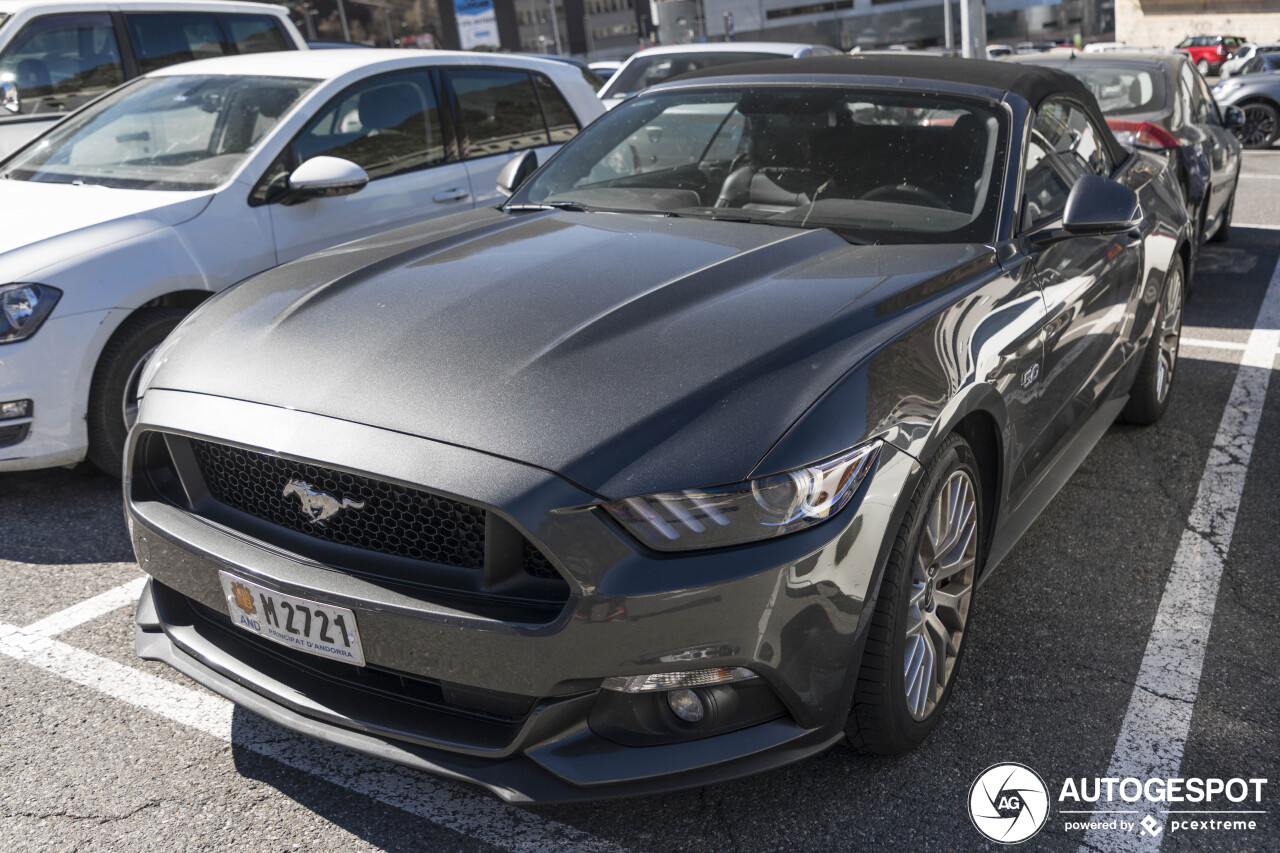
{"x":1209,"y":52}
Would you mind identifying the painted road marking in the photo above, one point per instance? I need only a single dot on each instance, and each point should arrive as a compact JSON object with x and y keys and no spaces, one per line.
{"x":1155,"y":728}
{"x":469,"y":813}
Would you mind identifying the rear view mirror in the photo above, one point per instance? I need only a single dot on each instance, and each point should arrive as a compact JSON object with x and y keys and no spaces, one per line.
{"x":324,"y":176}
{"x":1099,"y":205}
{"x":1232,"y":117}
{"x":517,"y":171}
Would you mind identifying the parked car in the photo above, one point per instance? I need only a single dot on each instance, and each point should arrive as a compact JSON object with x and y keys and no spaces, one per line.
{"x":592,"y":78}
{"x":1246,"y":51}
{"x":657,"y":477}
{"x":995,"y":51}
{"x":133,"y":210}
{"x":1159,"y":102}
{"x":56,"y":56}
{"x":605,"y":68}
{"x":1209,"y":52}
{"x":329,"y":44}
{"x":1257,"y":94}
{"x":648,"y":67}
{"x":1105,"y":46}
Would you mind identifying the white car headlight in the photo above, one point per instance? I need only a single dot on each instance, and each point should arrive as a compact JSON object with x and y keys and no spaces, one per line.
{"x":746,"y":512}
{"x":23,"y":308}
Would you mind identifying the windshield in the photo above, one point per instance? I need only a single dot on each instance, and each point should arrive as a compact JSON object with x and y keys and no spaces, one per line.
{"x":870,"y":165}
{"x":161,"y":133}
{"x":645,"y":71}
{"x":1121,"y":88}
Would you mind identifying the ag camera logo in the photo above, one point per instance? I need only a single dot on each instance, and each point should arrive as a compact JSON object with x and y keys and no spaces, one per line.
{"x":1008,"y":803}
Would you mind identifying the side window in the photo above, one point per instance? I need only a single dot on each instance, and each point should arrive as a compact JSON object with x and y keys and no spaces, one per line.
{"x":562,"y":124}
{"x":1206,"y":109}
{"x":167,"y":38}
{"x":59,"y":62}
{"x":254,"y":33}
{"x":499,"y":111}
{"x":1063,"y":146}
{"x":386,"y":126}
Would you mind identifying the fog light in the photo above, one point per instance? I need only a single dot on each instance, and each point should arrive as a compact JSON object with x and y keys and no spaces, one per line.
{"x":15,"y":409}
{"x":686,"y":705}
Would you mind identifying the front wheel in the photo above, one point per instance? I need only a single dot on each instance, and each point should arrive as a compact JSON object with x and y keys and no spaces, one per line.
{"x":921,"y":616}
{"x":113,"y":397}
{"x":1150,"y":394}
{"x":1261,"y":125}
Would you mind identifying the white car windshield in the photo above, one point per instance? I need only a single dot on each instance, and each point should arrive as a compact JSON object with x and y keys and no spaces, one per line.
{"x":871,"y":165}
{"x":161,"y":133}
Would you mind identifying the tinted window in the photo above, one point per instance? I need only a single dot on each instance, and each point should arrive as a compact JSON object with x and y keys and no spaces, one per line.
{"x":1121,"y":88}
{"x":386,"y":126}
{"x":499,"y":111}
{"x":645,"y":71}
{"x":1202,"y":108}
{"x":60,"y":61}
{"x":162,"y":133}
{"x":562,"y":125}
{"x":1064,"y":145}
{"x":163,"y":39}
{"x":254,"y":33}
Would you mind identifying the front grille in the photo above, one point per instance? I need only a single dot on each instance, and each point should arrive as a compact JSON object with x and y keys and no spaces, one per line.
{"x":394,"y":519}
{"x":13,"y":434}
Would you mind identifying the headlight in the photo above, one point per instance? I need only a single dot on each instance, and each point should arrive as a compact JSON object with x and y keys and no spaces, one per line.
{"x":746,"y":512}
{"x":23,"y":307}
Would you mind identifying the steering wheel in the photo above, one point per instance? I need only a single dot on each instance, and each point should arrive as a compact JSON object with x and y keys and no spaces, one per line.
{"x":909,"y":193}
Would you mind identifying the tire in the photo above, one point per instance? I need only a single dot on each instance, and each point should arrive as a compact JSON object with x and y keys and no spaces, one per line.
{"x":117,"y":372}
{"x":1203,"y":67}
{"x":1149,"y":396}
{"x":890,"y":715}
{"x":1261,"y":125}
{"x":1223,"y":234}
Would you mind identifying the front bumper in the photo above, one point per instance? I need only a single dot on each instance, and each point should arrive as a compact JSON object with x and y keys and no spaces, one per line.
{"x":53,"y":368}
{"x":789,"y":610}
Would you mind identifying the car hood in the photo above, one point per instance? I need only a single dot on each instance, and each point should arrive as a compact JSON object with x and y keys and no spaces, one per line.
{"x":627,"y":353}
{"x":49,"y":223}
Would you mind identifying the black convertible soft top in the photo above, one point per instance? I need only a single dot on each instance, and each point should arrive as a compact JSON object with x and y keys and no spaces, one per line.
{"x":1033,"y":83}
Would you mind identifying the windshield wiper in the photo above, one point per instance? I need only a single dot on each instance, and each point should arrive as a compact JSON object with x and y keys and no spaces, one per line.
{"x":577,"y":207}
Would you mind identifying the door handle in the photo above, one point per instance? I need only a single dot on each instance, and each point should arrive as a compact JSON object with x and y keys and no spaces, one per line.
{"x":455,"y":194}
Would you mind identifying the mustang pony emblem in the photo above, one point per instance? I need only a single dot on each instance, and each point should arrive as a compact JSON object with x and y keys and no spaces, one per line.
{"x":318,"y":506}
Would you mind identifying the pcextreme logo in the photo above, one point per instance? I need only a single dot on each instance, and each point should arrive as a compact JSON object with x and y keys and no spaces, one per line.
{"x":1009,"y":803}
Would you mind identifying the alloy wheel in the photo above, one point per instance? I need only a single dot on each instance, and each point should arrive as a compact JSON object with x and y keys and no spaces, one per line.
{"x":1170,"y":335}
{"x":129,"y":402}
{"x":1259,"y":126}
{"x":942,"y":576}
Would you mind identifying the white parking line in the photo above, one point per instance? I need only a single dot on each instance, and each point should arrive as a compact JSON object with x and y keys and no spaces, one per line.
{"x":469,"y":813}
{"x":1155,"y":728}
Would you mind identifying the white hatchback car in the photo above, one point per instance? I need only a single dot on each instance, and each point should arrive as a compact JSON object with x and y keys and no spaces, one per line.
{"x":55,"y":56}
{"x":133,"y":210}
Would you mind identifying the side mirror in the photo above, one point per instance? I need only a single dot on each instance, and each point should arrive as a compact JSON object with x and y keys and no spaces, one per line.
{"x":517,"y":171}
{"x":1098,"y":206}
{"x":1232,"y":117}
{"x":325,"y":176}
{"x":9,"y":97}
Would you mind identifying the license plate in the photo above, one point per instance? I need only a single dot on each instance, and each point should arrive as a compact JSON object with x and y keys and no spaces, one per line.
{"x":308,"y":626}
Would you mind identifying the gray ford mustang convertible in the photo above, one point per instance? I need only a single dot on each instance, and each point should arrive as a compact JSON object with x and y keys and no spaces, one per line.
{"x":685,"y":463}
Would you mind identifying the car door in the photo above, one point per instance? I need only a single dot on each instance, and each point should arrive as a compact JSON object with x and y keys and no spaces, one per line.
{"x":52,"y":66}
{"x":1220,"y":146}
{"x":391,"y":127}
{"x":1086,"y":281}
{"x":501,"y":111}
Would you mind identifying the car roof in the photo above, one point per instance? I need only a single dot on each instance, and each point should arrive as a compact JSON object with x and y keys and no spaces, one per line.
{"x":1111,"y":57}
{"x":331,"y":64}
{"x":15,"y":6}
{"x":780,"y":48}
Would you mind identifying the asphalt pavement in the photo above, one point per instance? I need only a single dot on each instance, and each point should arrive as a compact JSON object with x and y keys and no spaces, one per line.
{"x":101,"y":751}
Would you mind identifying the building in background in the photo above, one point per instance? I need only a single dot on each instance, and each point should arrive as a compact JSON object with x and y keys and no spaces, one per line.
{"x":1164,"y":23}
